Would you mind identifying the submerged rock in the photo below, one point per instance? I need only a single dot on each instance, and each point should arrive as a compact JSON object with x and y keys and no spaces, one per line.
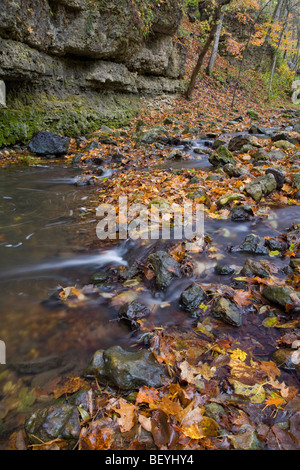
{"x":261,"y":187}
{"x":283,"y":297}
{"x":126,"y":370}
{"x":165,"y":268}
{"x":227,"y":311}
{"x":254,"y":268}
{"x":192,"y":297}
{"x":253,"y":244}
{"x":49,"y":143}
{"x":243,"y":212}
{"x":132,"y":312}
{"x":58,"y":421}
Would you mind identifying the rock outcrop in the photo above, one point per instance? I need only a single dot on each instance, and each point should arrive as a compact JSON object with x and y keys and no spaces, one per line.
{"x":70,"y":65}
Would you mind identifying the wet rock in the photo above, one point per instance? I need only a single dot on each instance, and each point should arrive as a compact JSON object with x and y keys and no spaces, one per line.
{"x":254,"y":268}
{"x":124,"y":369}
{"x":221,"y":157}
{"x":85,"y":180}
{"x":253,"y":244}
{"x":165,"y":268}
{"x":224,"y":270}
{"x":240,"y":213}
{"x":227,"y":311}
{"x":278,"y":175}
{"x":132,"y":312}
{"x":236,"y":143}
{"x":96,"y":367}
{"x":175,"y":155}
{"x":130,"y":370}
{"x":283,"y":297}
{"x":58,"y":421}
{"x":49,"y":143}
{"x":38,"y":365}
{"x":261,"y":187}
{"x":228,"y":198}
{"x":276,"y":244}
{"x":296,"y":180}
{"x":192,"y":297}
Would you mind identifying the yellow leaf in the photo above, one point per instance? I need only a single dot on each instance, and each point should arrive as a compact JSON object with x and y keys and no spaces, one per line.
{"x":238,"y":354}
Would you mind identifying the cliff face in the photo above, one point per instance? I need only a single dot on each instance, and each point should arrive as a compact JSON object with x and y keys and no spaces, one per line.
{"x":70,"y":65}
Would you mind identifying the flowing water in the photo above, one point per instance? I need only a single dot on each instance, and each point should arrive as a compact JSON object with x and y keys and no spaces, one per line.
{"x":46,"y":235}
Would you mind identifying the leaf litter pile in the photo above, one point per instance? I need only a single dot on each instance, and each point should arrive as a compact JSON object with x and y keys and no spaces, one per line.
{"x":221,"y":388}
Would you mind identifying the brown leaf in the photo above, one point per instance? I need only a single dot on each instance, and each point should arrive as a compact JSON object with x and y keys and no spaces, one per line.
{"x":127,"y":412}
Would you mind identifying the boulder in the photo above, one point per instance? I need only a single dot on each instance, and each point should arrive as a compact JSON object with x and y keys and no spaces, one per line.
{"x":278,"y":175}
{"x":49,"y":143}
{"x":165,"y":268}
{"x":127,"y":370}
{"x":240,"y":213}
{"x":236,"y":143}
{"x":253,"y":244}
{"x":261,"y":187}
{"x":192,"y":297}
{"x":254,"y":268}
{"x":58,"y":421}
{"x":221,"y":157}
{"x":283,"y":297}
{"x":296,"y":180}
{"x":132,"y":312}
{"x":227,"y":311}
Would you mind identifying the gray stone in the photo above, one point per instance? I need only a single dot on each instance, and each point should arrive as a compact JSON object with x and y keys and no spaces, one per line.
{"x":254,"y":268}
{"x":278,"y":175}
{"x":227,"y":311}
{"x":243,"y":212}
{"x":296,"y":180}
{"x":192,"y":297}
{"x":57,"y":421}
{"x":221,"y":157}
{"x":236,"y":143}
{"x":133,"y":312}
{"x":165,"y":268}
{"x":49,"y":143}
{"x":261,"y":187}
{"x":253,"y":244}
{"x":130,"y":370}
{"x":281,"y":296}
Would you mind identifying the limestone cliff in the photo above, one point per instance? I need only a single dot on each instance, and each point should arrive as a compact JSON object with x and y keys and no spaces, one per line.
{"x":70,"y":65}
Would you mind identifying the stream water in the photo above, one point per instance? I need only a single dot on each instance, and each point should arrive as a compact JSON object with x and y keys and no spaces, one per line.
{"x":45,"y":235}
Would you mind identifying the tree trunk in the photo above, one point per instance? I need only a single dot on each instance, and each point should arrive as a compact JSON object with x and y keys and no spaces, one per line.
{"x":214,"y":53}
{"x":203,"y":52}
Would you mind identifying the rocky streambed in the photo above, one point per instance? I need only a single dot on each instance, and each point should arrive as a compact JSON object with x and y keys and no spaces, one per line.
{"x":141,"y":342}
